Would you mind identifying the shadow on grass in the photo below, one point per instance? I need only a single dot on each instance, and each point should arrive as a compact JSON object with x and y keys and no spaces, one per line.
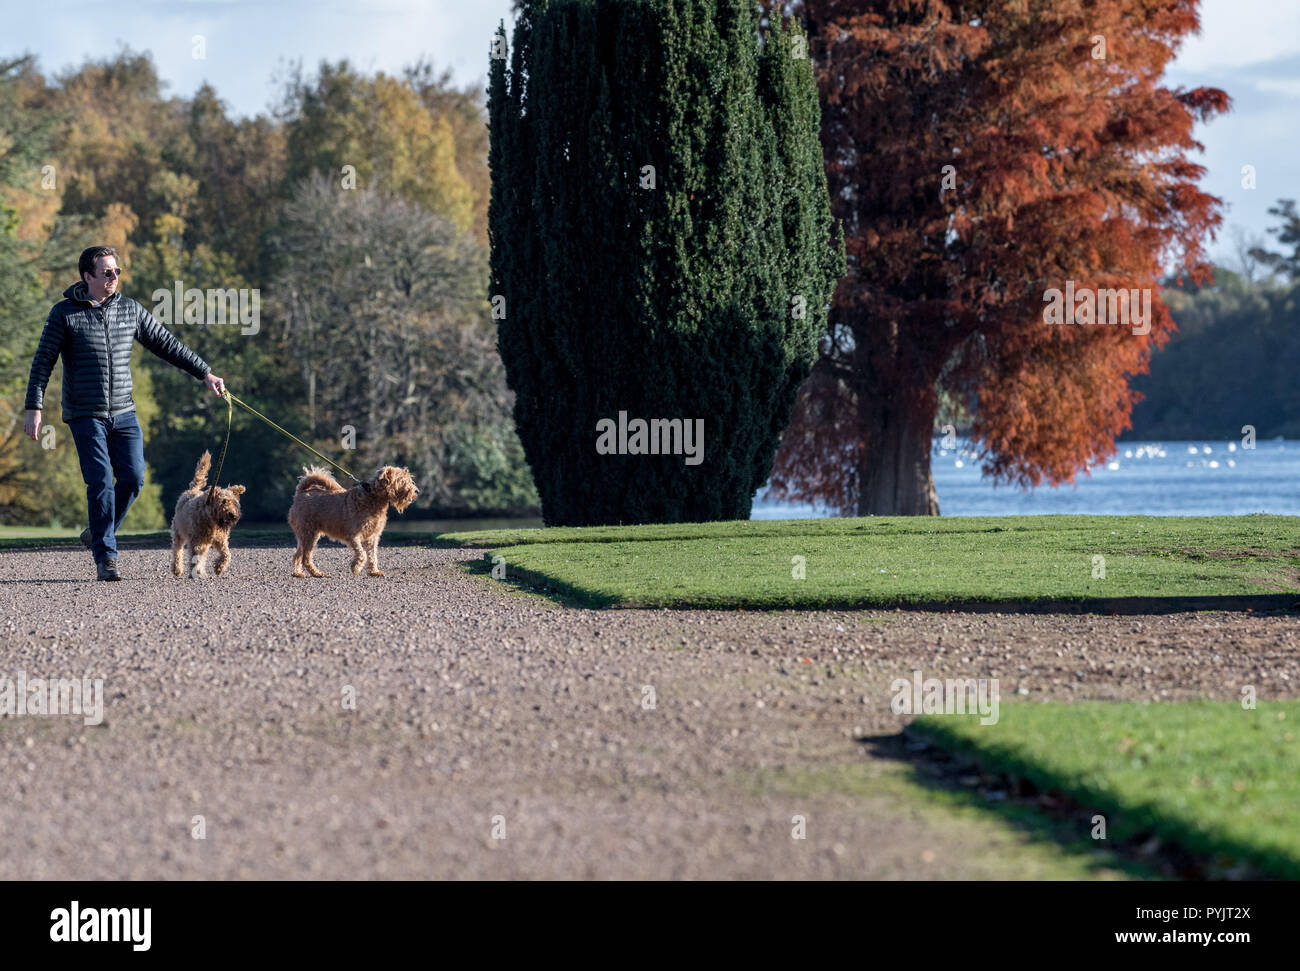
{"x":1046,"y":806}
{"x":1115,"y":606}
{"x":527,"y":581}
{"x":572,"y":595}
{"x":476,"y":537}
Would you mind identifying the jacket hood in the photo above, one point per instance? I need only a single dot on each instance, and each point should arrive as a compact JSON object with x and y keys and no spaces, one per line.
{"x":81,"y":293}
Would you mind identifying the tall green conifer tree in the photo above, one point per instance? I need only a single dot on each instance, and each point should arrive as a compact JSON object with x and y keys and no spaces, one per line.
{"x":662,"y":246}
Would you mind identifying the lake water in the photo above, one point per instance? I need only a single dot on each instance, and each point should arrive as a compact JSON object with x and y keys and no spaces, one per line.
{"x":1197,"y":478}
{"x":1200,"y":478}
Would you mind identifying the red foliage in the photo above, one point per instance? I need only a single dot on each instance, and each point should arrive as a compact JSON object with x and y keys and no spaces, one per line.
{"x":1067,"y":167}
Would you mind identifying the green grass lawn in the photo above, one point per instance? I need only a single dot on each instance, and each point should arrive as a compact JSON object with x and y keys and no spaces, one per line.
{"x":1213,"y":778}
{"x":882,"y":562}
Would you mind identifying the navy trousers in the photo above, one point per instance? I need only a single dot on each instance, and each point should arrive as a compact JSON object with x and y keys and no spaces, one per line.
{"x":109,"y":449}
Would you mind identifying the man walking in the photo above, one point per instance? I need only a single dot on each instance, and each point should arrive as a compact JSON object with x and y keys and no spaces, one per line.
{"x":93,"y":329}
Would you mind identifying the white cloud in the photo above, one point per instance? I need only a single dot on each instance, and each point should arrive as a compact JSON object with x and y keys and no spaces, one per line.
{"x":1237,"y":32}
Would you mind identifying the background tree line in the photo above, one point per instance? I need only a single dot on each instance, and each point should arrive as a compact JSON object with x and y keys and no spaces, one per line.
{"x":1235,"y":357}
{"x":374,"y":310}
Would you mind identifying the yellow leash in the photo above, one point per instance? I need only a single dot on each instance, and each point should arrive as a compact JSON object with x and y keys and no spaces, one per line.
{"x":230,"y":414}
{"x":249,"y":408}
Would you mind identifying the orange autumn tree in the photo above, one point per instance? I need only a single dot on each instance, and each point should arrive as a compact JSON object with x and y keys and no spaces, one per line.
{"x":982,"y":155}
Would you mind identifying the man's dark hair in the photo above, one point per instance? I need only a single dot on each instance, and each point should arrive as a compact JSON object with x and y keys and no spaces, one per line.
{"x":86,"y":264}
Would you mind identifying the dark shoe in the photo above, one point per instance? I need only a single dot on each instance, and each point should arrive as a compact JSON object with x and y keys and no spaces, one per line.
{"x":107,"y":570}
{"x":85,"y":537}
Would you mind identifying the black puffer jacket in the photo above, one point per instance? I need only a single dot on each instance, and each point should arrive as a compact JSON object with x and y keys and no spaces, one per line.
{"x":96,"y":346}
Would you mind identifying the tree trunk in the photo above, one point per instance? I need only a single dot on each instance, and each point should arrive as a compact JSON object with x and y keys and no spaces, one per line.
{"x":894,"y":475}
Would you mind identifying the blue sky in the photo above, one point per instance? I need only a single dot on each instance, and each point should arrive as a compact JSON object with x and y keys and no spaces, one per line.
{"x":1250,"y":48}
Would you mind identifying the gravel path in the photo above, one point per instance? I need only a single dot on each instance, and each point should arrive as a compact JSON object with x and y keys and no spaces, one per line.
{"x":224,"y":699}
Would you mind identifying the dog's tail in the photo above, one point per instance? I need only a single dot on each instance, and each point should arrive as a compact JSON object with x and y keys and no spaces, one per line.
{"x":200,"y":480}
{"x":317,"y":478}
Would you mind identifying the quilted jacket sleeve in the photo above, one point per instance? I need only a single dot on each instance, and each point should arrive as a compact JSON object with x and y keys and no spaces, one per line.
{"x":160,"y":341}
{"x":47,"y":352}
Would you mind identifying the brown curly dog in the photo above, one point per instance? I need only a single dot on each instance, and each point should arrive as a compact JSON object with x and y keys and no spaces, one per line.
{"x":355,"y":516}
{"x":204,"y":518}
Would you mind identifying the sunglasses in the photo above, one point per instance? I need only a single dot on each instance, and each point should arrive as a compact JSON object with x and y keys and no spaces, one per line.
{"x":112,"y":272}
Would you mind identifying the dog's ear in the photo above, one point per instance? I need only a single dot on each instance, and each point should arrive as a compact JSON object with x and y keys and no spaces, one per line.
{"x":386,"y":477}
{"x":237,"y":490}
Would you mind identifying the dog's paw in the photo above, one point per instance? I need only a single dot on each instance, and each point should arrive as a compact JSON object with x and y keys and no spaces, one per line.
{"x":378,"y":573}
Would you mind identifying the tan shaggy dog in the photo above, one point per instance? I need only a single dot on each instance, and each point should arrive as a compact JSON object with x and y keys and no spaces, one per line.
{"x":355,"y":516}
{"x":203,"y":518}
